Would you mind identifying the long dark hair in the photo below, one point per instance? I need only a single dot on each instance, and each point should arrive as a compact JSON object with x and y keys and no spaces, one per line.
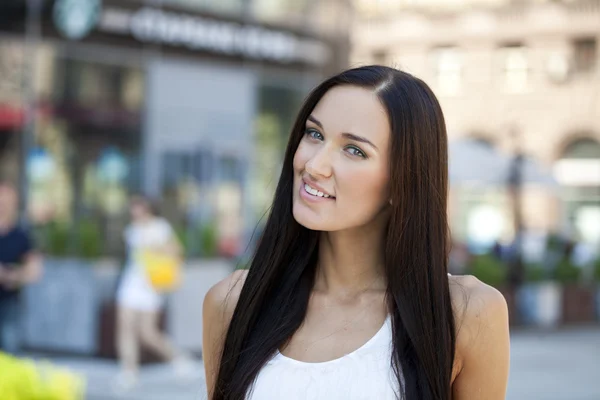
{"x":274,"y":299}
{"x":149,"y":204}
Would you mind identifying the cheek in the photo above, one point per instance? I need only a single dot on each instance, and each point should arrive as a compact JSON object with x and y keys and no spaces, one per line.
{"x":300,"y":158}
{"x":366,"y":186}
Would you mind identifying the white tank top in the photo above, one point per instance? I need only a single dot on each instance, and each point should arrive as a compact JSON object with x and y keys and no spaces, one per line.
{"x":363,"y":374}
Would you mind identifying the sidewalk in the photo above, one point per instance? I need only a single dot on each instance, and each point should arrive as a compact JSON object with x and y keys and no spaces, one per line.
{"x":555,"y":365}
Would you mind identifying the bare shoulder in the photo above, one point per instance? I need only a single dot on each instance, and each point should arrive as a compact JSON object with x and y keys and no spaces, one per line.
{"x":217,"y":310}
{"x":474,"y":300}
{"x":481,"y":314}
{"x":222,"y":297}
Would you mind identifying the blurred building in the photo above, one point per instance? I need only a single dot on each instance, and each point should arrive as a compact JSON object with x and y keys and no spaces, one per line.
{"x":188,"y":101}
{"x":500,"y":66}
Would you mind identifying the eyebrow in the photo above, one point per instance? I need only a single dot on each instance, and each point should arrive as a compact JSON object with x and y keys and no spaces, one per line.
{"x":347,"y":135}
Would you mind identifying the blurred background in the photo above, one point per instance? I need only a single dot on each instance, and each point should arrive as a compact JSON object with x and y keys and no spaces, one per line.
{"x":190,"y":102}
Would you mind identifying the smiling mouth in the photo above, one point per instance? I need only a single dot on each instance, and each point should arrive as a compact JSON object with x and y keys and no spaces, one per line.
{"x":314,"y":192}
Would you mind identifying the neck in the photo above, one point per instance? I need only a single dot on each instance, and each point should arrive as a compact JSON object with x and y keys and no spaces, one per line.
{"x":144,"y":220}
{"x":351,"y":262}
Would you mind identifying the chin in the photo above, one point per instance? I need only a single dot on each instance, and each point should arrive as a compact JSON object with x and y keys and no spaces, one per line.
{"x":308,"y":219}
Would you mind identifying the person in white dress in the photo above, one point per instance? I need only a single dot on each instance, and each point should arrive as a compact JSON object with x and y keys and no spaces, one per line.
{"x":138,"y":302}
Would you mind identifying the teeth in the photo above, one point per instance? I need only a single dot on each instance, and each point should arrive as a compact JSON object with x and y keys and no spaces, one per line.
{"x":315,"y":192}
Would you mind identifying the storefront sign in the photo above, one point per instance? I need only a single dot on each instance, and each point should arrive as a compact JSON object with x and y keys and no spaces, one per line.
{"x":76,"y":18}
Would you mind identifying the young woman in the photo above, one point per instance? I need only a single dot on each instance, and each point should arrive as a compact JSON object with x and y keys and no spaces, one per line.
{"x":138,"y":303}
{"x":348,"y":295}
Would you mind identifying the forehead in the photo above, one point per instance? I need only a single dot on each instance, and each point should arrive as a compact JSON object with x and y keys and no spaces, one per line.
{"x":352,"y":109}
{"x":136,"y":201}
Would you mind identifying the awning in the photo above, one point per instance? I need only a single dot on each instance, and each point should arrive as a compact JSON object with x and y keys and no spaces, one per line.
{"x":11,"y":117}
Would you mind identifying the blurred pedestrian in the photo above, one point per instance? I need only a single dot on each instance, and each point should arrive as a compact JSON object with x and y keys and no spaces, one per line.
{"x":20,"y":265}
{"x":458,"y":259}
{"x":583,"y":254}
{"x":497,"y":250}
{"x":138,"y":302}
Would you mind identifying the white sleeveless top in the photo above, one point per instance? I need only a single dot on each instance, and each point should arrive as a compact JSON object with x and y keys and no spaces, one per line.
{"x":363,"y":374}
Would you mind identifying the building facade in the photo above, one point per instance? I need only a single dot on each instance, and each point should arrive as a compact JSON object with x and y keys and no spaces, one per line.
{"x":187,"y":101}
{"x":500,"y":67}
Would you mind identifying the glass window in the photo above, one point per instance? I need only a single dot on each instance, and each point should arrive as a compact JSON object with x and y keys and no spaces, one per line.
{"x":278,"y":107}
{"x":380,"y":57}
{"x":585,"y":53}
{"x":515,"y":68}
{"x":578,"y":171}
{"x":369,"y":8}
{"x":448,"y":69}
{"x":12,"y":67}
{"x":580,"y":164}
{"x":282,"y":11}
{"x":86,"y":159}
{"x":583,"y":148}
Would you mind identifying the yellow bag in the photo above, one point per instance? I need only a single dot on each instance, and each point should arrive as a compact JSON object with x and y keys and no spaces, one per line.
{"x":163,"y":270}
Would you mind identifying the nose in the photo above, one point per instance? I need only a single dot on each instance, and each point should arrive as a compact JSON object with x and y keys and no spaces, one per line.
{"x":319,"y":165}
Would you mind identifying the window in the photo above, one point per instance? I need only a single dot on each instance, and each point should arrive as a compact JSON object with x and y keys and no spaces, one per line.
{"x":281,"y":11}
{"x":578,"y":171}
{"x":584,"y":55}
{"x":376,"y":7}
{"x":515,"y":68}
{"x":583,"y":148}
{"x":448,"y":69}
{"x":579,"y":164}
{"x":12,"y":68}
{"x":380,"y":57}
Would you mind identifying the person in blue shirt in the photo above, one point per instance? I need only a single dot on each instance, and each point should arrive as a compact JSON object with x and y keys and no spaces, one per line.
{"x":20,"y":265}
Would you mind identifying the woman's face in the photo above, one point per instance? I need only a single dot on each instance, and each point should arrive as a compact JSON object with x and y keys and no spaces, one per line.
{"x":341,"y":168}
{"x":138,"y":209}
{"x":8,"y":201}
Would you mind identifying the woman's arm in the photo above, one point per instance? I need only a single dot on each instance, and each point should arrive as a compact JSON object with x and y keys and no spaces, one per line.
{"x":28,"y":272}
{"x":173,"y":247}
{"x":483,"y":342}
{"x":217,"y":310}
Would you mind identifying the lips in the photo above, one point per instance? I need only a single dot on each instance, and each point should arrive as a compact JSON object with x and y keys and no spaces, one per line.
{"x":315,"y":190}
